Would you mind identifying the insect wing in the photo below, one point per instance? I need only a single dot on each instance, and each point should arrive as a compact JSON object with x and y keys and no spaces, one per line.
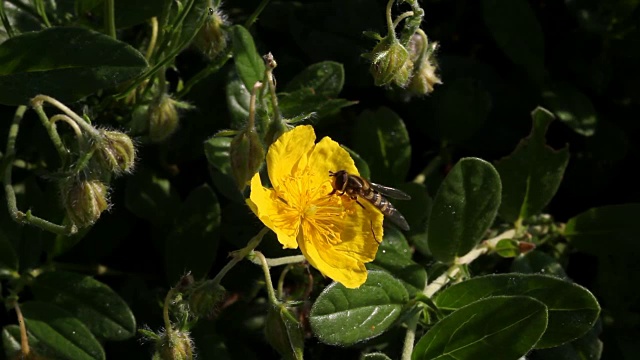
{"x":390,"y":192}
{"x":397,"y":218}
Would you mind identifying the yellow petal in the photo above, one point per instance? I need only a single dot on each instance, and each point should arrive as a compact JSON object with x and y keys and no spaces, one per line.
{"x":329,"y":156}
{"x":362,"y":232}
{"x":286,"y":153}
{"x":339,"y":266}
{"x":263,"y":202}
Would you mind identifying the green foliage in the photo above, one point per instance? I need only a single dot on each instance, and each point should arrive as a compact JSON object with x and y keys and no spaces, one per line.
{"x":132,"y":128}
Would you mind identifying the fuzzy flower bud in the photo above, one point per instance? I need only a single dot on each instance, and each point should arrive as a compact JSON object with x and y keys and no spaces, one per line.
{"x":212,"y":38}
{"x":424,"y":77}
{"x":246,"y":154}
{"x":163,"y":118}
{"x":117,"y":153}
{"x":174,"y":345}
{"x":205,"y":298}
{"x":84,"y":200}
{"x":389,"y":62}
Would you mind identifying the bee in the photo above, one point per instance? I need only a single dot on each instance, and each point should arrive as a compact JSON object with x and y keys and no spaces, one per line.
{"x":355,"y":186}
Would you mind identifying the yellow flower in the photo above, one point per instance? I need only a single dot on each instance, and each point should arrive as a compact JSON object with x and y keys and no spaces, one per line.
{"x":334,"y":233}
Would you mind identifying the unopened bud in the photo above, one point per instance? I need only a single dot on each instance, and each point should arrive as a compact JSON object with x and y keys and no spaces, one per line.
{"x":117,"y":153}
{"x":163,"y":118}
{"x":246,"y":154}
{"x":84,"y":201}
{"x":389,"y":62}
{"x":284,"y":332}
{"x":212,"y":38}
{"x":205,"y":299}
{"x":174,"y":345}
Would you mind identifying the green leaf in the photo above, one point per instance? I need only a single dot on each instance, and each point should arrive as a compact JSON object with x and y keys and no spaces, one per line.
{"x":363,"y":167}
{"x":532,"y":173}
{"x":394,"y":256}
{"x":193,"y":21}
{"x":507,"y":248}
{"x":101,"y":309}
{"x":61,"y":332}
{"x":496,"y":328}
{"x":605,"y":230}
{"x":416,"y":211}
{"x":342,"y":316}
{"x":65,"y":63}
{"x":463,"y":209}
{"x":11,"y":340}
{"x":324,"y":78}
{"x":382,"y":140}
{"x":572,"y":107}
{"x":461,"y":108}
{"x":8,"y":256}
{"x":307,"y":101}
{"x":284,"y":332}
{"x":517,"y":32}
{"x":538,"y":262}
{"x":249,"y":63}
{"x":151,"y":197}
{"x":572,"y":308}
{"x":193,"y":242}
{"x":216,"y":150}
{"x":586,"y":347}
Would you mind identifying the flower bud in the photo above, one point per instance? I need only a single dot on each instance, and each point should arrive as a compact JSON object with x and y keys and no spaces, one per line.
{"x":174,"y":345}
{"x":284,"y":332}
{"x":117,"y":153}
{"x":424,"y":77}
{"x":163,"y":118}
{"x":212,"y":38}
{"x":205,"y":299}
{"x":389,"y":62}
{"x":246,"y":154}
{"x":84,"y":201}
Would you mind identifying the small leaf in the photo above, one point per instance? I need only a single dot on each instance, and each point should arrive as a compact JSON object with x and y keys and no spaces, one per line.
{"x":60,"y":332}
{"x":382,"y":140}
{"x":375,"y":356}
{"x":151,"y":197}
{"x":605,"y":230}
{"x":342,"y":316}
{"x":324,"y":78}
{"x":193,"y":242}
{"x":517,"y":32}
{"x":394,"y":256}
{"x":496,"y":328}
{"x":572,"y":107}
{"x":463,"y":209}
{"x":217,"y":150}
{"x":507,"y":248}
{"x":238,"y":98}
{"x":65,"y":63}
{"x":284,"y":332}
{"x":101,"y":309}
{"x":532,"y":173}
{"x":572,"y":308}
{"x":8,"y":256}
{"x":249,"y":63}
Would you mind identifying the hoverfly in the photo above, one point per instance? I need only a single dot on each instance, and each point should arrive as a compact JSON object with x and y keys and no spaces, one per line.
{"x":355,"y":186}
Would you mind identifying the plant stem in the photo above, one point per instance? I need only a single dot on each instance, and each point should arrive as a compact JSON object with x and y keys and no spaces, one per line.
{"x":42,"y":11}
{"x":283,"y":275}
{"x":282,"y":261}
{"x":5,"y":21}
{"x":390,"y":28}
{"x":241,"y":254}
{"x":410,"y":337}
{"x":110,"y":18}
{"x":402,"y":17}
{"x":154,"y":38}
{"x":267,"y":277}
{"x":254,"y":16}
{"x":39,"y":99}
{"x":165,"y":313}
{"x":53,"y":134}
